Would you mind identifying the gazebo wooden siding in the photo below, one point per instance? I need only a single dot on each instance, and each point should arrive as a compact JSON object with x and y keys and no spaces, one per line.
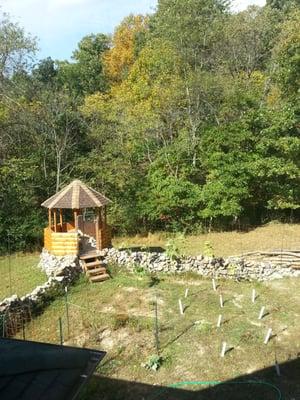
{"x":63,"y":238}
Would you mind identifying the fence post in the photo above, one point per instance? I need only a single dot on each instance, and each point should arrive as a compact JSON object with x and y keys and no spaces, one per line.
{"x":156,"y":326}
{"x":9,"y":263}
{"x":60,"y":331}
{"x":67,"y":311}
{"x":23,"y":328}
{"x":3,"y":325}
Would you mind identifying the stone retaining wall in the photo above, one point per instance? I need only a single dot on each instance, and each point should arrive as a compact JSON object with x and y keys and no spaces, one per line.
{"x":232,"y":268}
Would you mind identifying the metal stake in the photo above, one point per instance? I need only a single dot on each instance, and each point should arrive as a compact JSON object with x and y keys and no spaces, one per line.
{"x":67,"y":311}
{"x":60,"y":331}
{"x":156,"y":326}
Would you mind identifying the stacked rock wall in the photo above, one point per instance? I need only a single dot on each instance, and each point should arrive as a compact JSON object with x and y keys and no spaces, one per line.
{"x":232,"y":268}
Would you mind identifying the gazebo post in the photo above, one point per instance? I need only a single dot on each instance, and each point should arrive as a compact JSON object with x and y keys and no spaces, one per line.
{"x":100,"y":218}
{"x":54,"y":215}
{"x":49,"y":218}
{"x":98,"y":229}
{"x":105,"y":216}
{"x":61,"y":218}
{"x":76,"y":219}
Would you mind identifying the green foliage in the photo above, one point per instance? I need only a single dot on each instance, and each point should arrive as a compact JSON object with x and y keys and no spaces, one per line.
{"x":139,"y":270}
{"x":191,"y":25}
{"x":208,"y":250}
{"x":287,"y":57}
{"x":175,"y":245}
{"x":16,"y":47}
{"x":154,"y":362}
{"x":85,"y":75}
{"x":46,"y":71}
{"x":246,"y":40}
{"x":19,"y":208}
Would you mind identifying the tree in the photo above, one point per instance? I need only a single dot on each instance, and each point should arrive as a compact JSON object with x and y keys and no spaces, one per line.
{"x":46,"y":71}
{"x":56,"y":120}
{"x":246,"y":40}
{"x":191,"y":25}
{"x":284,"y":5}
{"x":16,"y":47}
{"x":85,"y":75}
{"x":127,"y":42}
{"x":20,"y":213}
{"x":286,"y":57}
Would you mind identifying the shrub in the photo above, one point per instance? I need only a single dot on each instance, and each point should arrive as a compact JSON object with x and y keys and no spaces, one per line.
{"x":154,"y":362}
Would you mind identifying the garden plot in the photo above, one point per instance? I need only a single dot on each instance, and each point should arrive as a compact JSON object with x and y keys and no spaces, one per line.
{"x":118,"y":317}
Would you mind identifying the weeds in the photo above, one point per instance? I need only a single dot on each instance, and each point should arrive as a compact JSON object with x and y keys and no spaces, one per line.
{"x":154,"y":362}
{"x":120,"y":321}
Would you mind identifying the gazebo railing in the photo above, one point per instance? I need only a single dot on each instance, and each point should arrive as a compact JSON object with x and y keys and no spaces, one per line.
{"x":61,"y":243}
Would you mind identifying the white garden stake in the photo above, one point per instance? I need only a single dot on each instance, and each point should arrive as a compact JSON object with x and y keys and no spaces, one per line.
{"x":180,"y":307}
{"x":186,"y":293}
{"x":219,"y":321}
{"x":262,"y":311}
{"x":223,"y":351}
{"x":253,"y":296}
{"x":214,"y":284}
{"x":268,"y":335}
{"x":221,"y":301}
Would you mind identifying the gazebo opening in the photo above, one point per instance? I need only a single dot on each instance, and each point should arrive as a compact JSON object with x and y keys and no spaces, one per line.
{"x":76,"y":214}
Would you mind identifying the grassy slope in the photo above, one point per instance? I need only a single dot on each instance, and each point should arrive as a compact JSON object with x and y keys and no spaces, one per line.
{"x":117,"y":316}
{"x":24,"y":277}
{"x":268,"y":237}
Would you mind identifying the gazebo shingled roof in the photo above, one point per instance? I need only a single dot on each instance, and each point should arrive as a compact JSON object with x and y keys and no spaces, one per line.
{"x":76,"y":195}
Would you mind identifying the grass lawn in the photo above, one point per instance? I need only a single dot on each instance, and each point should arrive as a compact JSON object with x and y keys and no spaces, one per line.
{"x":269,"y":237}
{"x":117,"y":316}
{"x":19,"y":274}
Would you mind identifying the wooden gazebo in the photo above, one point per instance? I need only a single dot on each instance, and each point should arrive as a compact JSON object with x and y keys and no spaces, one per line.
{"x":68,"y":223}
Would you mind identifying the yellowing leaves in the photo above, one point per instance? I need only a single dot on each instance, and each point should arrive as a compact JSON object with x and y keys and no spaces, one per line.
{"x":121,"y":56}
{"x":95,"y":104}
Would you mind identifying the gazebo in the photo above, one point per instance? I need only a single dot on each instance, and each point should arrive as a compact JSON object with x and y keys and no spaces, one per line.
{"x":75,"y":213}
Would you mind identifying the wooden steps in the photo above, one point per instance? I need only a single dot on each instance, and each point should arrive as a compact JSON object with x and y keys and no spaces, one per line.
{"x":94,"y":266}
{"x":90,"y":255}
{"x":99,"y":278}
{"x":96,"y":271}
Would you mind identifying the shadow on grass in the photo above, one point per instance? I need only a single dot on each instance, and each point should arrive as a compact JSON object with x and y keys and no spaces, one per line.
{"x":259,"y":385}
{"x":154,"y":281}
{"x":184,"y":331}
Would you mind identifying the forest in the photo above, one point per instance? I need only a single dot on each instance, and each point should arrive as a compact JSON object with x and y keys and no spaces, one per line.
{"x":187,"y":119}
